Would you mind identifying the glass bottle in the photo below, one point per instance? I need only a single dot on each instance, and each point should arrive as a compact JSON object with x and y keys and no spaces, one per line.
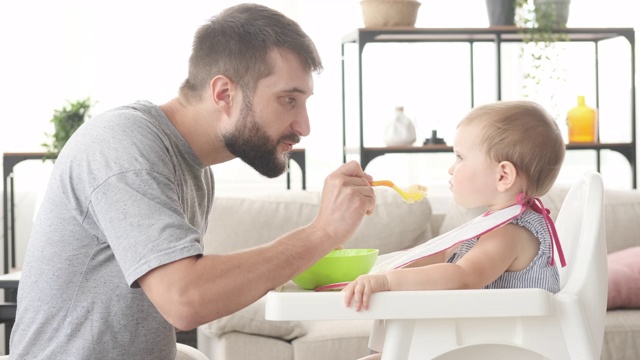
{"x":582,"y":123}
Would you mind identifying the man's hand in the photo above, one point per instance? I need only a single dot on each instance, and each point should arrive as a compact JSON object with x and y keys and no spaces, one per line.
{"x":346,"y":198}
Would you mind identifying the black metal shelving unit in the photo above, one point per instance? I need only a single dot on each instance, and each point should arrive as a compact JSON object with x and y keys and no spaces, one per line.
{"x":497,"y":36}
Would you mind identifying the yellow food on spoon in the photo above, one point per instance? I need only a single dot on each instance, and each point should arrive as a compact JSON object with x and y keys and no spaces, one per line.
{"x":413,"y":194}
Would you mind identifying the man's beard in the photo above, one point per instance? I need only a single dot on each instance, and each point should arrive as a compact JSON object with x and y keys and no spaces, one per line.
{"x":251,"y":143}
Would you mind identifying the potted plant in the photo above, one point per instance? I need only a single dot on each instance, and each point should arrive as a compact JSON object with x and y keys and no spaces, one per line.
{"x":540,"y":22}
{"x":550,"y":14}
{"x":501,"y":12}
{"x":543,"y":15}
{"x":66,"y":121}
{"x":389,"y":13}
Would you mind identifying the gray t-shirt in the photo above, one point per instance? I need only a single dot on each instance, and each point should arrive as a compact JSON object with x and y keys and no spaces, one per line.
{"x":127,"y":194}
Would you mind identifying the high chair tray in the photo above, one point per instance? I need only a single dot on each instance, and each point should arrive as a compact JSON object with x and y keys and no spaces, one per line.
{"x":289,"y":302}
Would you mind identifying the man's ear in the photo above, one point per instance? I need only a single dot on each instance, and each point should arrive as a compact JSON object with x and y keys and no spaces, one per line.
{"x":507,"y":175}
{"x":222,"y":93}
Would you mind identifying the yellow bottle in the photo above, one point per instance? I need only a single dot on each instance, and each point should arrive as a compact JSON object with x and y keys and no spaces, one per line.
{"x":582,"y":123}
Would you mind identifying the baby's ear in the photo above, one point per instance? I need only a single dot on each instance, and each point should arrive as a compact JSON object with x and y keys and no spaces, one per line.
{"x":507,"y":175}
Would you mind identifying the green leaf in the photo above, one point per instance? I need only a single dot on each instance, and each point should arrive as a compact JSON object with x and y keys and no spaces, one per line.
{"x":66,"y":121}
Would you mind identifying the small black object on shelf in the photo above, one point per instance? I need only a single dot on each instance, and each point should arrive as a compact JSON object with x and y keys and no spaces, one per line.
{"x":434,"y":139}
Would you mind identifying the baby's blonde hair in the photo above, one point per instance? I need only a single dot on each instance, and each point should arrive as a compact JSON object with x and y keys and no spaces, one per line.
{"x":523,"y":133}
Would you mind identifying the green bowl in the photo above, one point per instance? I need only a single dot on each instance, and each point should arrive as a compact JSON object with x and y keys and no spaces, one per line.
{"x":341,"y":265}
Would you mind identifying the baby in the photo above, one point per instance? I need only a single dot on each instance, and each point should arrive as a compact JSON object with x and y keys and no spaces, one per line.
{"x":506,"y":152}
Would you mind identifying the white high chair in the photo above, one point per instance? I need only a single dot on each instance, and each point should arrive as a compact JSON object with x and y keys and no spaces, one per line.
{"x":490,"y":324}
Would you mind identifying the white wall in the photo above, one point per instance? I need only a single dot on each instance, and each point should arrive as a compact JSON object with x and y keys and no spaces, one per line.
{"x":119,"y":51}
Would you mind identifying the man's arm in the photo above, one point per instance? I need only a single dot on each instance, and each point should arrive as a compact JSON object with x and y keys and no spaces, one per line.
{"x":196,"y":290}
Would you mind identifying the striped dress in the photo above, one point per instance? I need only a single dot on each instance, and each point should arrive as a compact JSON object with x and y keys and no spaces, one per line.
{"x":539,"y":274}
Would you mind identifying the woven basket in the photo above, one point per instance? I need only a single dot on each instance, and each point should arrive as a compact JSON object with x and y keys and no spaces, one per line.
{"x":387,"y":13}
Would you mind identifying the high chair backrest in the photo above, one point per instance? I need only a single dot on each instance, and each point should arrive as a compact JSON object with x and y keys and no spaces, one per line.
{"x":581,"y":231}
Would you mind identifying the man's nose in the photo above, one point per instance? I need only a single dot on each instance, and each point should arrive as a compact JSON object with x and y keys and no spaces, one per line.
{"x":301,"y":125}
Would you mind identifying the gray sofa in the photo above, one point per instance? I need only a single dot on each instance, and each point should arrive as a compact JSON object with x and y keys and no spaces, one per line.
{"x":240,"y":222}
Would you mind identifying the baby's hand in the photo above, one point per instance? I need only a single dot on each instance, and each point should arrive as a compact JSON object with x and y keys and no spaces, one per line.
{"x":359,"y":290}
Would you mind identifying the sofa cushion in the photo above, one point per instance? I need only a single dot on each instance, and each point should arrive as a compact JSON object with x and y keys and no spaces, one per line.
{"x":622,"y":331}
{"x":624,"y":279}
{"x":621,"y":214}
{"x":237,"y":222}
{"x":239,"y":346}
{"x":348,"y":338}
{"x":250,"y":320}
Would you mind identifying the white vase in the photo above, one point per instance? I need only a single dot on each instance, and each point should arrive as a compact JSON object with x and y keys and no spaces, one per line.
{"x":400,"y":131}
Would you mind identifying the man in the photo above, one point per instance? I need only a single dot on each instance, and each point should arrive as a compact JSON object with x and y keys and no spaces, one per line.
{"x":115,"y":261}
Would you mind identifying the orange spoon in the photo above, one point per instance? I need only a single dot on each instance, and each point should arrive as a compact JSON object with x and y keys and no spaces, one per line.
{"x":413,"y":194}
